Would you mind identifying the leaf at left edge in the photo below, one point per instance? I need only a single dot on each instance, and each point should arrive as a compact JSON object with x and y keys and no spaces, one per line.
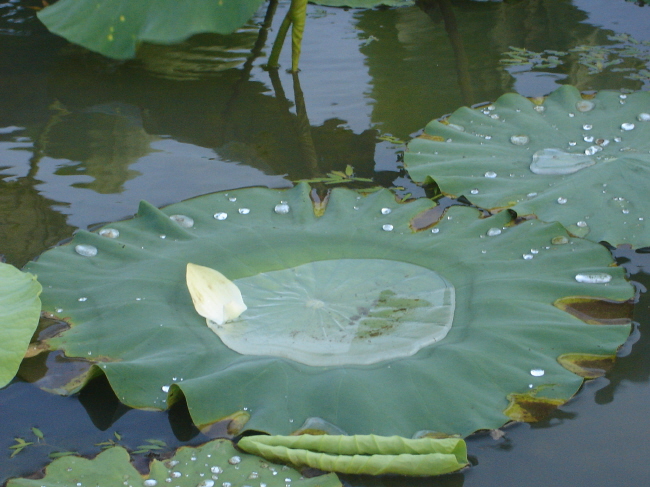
{"x":20,"y":309}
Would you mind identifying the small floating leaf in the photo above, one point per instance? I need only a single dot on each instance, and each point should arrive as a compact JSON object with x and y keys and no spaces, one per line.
{"x":362,"y":454}
{"x":587,"y":152}
{"x":196,"y":466}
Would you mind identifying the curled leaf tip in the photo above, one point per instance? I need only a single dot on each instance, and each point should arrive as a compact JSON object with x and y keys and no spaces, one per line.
{"x":215,"y":297}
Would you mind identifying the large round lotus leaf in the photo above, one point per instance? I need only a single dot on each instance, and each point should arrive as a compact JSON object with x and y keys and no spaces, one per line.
{"x":131,"y":311}
{"x":584,"y":162}
{"x":215,"y":463}
{"x":20,"y":309}
{"x":115,"y":27}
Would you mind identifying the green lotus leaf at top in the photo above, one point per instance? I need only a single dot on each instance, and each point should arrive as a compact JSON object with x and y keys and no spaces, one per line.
{"x":114,"y":28}
{"x":582,"y":161}
{"x":20,"y":309}
{"x":214,"y":463}
{"x":367,"y":312}
{"x":364,"y":3}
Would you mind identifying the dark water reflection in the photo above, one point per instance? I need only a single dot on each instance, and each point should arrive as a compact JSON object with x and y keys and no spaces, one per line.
{"x":83,"y":139}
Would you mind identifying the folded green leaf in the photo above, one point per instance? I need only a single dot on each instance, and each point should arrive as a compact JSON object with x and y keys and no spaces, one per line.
{"x":362,"y":454}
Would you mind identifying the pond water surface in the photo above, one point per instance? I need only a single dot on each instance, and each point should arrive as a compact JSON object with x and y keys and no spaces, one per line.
{"x":83,"y":139}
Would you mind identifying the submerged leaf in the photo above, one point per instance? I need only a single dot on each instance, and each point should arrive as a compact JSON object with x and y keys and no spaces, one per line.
{"x":20,"y":309}
{"x":139,"y":323}
{"x":215,"y":297}
{"x":582,"y":162}
{"x":362,"y":454}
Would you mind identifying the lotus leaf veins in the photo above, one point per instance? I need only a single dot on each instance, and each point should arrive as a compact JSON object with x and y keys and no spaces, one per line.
{"x":377,"y":316}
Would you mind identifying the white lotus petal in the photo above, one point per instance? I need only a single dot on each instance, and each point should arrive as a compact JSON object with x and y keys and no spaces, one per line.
{"x":215,"y":297}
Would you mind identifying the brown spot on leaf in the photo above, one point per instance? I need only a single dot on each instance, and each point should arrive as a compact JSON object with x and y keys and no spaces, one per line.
{"x":597,"y":311}
{"x":226,"y":427}
{"x":587,"y":365}
{"x":435,"y":138}
{"x":426,"y":219}
{"x":529,"y":408}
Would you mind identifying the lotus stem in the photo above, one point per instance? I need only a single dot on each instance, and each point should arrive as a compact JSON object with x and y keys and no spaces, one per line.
{"x":279,"y":41}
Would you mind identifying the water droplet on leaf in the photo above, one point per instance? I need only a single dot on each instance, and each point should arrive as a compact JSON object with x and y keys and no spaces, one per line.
{"x":594,"y":278}
{"x":537,"y":372}
{"x":220,"y":215}
{"x":627,"y":126}
{"x":557,"y":162}
{"x":244,"y":211}
{"x":86,"y":250}
{"x":109,"y":232}
{"x":281,"y":209}
{"x":493,"y":232}
{"x":388,"y":227}
{"x":385,"y":211}
{"x":519,"y":139}
{"x":490,"y":174}
{"x":183,"y":220}
{"x":585,"y":106}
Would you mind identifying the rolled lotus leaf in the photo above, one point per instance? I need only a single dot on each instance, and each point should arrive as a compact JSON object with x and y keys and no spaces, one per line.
{"x":362,"y":454}
{"x":582,"y":161}
{"x":20,"y":309}
{"x":215,"y":297}
{"x":198,"y":466}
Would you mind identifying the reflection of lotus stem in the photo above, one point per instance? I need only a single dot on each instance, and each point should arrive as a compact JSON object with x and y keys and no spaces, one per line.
{"x":462,"y":66}
{"x":296,"y":15}
{"x":304,"y":127}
